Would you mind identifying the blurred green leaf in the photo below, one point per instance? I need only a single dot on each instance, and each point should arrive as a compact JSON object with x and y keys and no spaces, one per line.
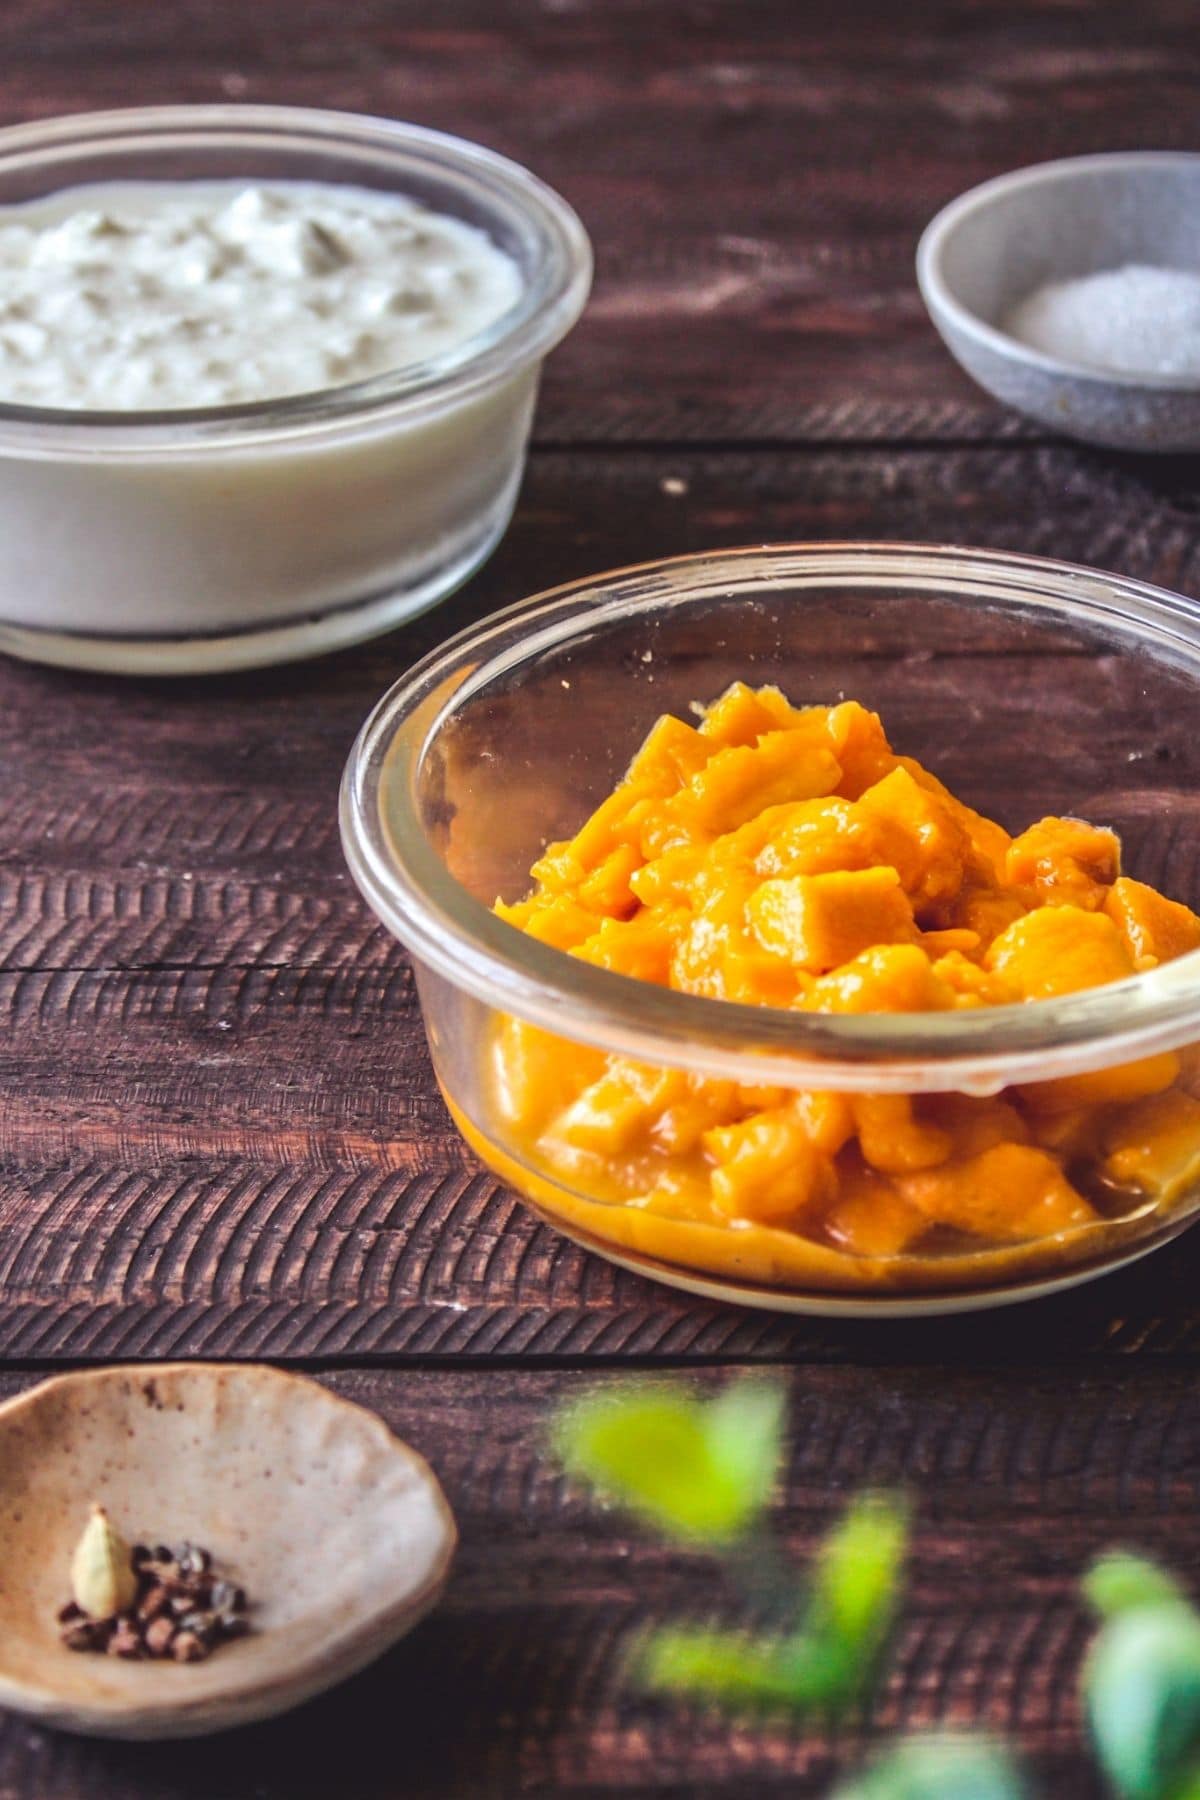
{"x":1141,"y":1686}
{"x":1121,"y":1582}
{"x":732,"y":1667}
{"x":745,"y":1435}
{"x":829,"y":1662}
{"x":701,"y":1472}
{"x":857,"y":1581}
{"x":941,"y":1768}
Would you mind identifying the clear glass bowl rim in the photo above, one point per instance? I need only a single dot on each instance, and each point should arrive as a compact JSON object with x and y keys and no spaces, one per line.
{"x":552,"y":300}
{"x":407,"y":885}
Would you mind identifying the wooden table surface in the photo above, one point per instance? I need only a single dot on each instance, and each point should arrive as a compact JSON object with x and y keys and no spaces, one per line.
{"x":219,"y":1134}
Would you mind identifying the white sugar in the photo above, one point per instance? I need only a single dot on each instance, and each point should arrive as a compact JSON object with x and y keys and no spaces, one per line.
{"x":1137,"y":319}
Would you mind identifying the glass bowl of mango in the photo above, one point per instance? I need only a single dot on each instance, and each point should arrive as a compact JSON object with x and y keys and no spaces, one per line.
{"x":812,"y":926}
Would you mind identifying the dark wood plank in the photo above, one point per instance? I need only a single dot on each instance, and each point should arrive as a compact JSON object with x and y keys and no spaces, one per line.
{"x":755,"y":177}
{"x":514,"y":1685}
{"x":218,"y":1129}
{"x":256,"y":1163}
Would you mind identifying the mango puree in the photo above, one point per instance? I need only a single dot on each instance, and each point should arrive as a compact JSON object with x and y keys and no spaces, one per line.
{"x":788,"y":857}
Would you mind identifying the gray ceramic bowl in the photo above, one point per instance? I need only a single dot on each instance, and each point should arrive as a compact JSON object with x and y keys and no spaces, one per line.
{"x":995,"y":244}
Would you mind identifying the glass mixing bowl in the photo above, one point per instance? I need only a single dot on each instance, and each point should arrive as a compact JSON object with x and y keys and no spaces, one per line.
{"x":1029,"y":687}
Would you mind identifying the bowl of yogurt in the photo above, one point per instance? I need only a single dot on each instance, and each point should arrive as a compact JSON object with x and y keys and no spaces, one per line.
{"x":267,"y":377}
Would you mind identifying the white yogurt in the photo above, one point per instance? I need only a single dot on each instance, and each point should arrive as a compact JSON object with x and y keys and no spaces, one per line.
{"x":148,"y":296}
{"x":139,"y":538}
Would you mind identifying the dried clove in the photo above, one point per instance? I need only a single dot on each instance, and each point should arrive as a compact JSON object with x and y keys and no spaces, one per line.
{"x":159,"y":1636}
{"x":188,"y":1647}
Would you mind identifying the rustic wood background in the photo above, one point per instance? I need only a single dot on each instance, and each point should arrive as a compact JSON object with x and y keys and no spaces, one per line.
{"x":218,"y":1130}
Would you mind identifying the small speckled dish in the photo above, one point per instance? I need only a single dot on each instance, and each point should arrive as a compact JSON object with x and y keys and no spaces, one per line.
{"x":998,"y":242}
{"x":338,"y":1531}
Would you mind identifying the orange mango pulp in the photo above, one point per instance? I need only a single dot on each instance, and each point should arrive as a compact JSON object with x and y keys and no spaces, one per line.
{"x":784,"y":857}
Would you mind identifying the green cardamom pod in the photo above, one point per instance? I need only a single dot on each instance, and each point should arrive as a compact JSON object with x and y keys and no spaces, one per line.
{"x":102,"y":1577}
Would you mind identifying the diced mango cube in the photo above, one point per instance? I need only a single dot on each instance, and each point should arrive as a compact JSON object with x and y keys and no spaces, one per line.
{"x":743,"y":714}
{"x":860,"y":745}
{"x":891,"y":1137}
{"x":611,"y":824}
{"x":1058,"y":950}
{"x":619,"y":1107}
{"x":1155,"y":1145}
{"x":869,"y":1218}
{"x":640,"y":947}
{"x":753,"y":977}
{"x":558,"y":870}
{"x":888,"y":978}
{"x":671,"y":754}
{"x":815,"y":837}
{"x":708,"y":944}
{"x":737,"y":783}
{"x":606,"y":889}
{"x":971,"y":985}
{"x":1064,"y":862}
{"x":681,"y":1125}
{"x":668,"y":878}
{"x":920,"y":835}
{"x":552,"y":919}
{"x":1154,"y":928}
{"x":827,"y":1118}
{"x":536,"y":1074}
{"x":1010,"y":1192}
{"x":989,"y":840}
{"x":767,"y":1168}
{"x":1103,"y":1087}
{"x":975,"y":1125}
{"x":821,"y":921}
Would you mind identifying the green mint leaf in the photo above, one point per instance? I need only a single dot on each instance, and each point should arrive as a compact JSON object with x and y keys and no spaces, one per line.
{"x":857,"y":1582}
{"x":1120,"y":1582}
{"x":701,"y":1472}
{"x":939,"y":1768}
{"x":1141,"y":1689}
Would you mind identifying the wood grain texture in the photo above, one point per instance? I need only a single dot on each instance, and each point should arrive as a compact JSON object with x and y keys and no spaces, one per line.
{"x":515,"y":1684}
{"x":755,"y":177}
{"x":218,"y":1128}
